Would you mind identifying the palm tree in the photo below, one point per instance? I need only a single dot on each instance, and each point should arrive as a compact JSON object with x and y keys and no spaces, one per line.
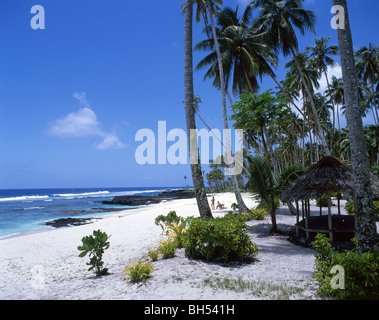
{"x":262,"y":185}
{"x":336,"y":94}
{"x":320,"y":53}
{"x":367,"y":63}
{"x":278,"y":18}
{"x":241,"y":205}
{"x":295,"y":84}
{"x":364,"y":208}
{"x":197,"y":176}
{"x":245,"y":54}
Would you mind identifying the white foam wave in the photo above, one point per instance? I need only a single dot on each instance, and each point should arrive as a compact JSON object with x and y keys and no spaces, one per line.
{"x":81,"y":195}
{"x":24,"y":198}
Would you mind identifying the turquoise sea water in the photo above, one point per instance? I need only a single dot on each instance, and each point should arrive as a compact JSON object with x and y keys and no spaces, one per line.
{"x":27,"y":210}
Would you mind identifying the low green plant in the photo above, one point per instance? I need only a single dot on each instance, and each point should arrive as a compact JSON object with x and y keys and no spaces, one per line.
{"x":153,"y":254}
{"x":258,"y":214}
{"x":138,"y":272}
{"x":95,"y":245}
{"x":175,"y":231}
{"x":261,"y":289}
{"x":223,"y":238}
{"x":361,"y":271}
{"x":167,"y":248}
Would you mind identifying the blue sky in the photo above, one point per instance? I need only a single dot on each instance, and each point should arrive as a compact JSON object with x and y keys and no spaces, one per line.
{"x":73,"y":96}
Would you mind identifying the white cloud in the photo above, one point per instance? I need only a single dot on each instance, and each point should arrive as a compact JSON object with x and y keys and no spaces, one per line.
{"x":82,"y":97}
{"x":76,"y":125}
{"x":84,"y":123}
{"x":332,"y":71}
{"x":111,"y":141}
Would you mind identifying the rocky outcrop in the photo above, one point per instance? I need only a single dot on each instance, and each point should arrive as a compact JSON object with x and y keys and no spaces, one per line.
{"x":135,"y":201}
{"x":68,"y":222}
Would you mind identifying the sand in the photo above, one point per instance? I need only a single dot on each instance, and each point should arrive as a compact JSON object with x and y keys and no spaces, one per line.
{"x":46,"y":265}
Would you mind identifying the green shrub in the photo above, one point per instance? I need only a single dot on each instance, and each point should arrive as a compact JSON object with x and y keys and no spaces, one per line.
{"x":323,"y":202}
{"x":258,"y":214}
{"x":138,"y":272}
{"x":169,"y":218}
{"x":95,"y":246}
{"x":361,"y":271}
{"x":349,"y":207}
{"x":234,"y":206}
{"x":221,"y":238}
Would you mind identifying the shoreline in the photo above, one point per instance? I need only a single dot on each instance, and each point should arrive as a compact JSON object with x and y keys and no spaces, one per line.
{"x":142,"y":200}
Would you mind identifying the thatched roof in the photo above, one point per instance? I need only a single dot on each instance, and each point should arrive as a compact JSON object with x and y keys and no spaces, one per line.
{"x":329,"y":175}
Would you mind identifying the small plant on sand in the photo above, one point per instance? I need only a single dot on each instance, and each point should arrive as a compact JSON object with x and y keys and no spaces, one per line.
{"x":167,"y":248}
{"x":175,"y":231}
{"x":140,"y":271}
{"x":153,"y":254}
{"x":95,"y":246}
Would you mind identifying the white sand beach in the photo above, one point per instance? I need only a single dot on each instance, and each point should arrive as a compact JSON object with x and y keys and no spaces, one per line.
{"x":46,"y":265}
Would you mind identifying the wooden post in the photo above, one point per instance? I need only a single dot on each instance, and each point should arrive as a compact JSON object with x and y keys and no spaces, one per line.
{"x":307,"y":215}
{"x":339,"y":203}
{"x":330,"y":219}
{"x":302,"y":208}
{"x":320,"y":206}
{"x":297,"y":218}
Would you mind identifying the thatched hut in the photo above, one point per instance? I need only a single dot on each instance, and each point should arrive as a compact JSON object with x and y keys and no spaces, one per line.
{"x":329,"y":176}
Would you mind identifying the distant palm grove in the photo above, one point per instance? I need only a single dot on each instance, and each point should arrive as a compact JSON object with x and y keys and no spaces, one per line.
{"x":292,"y":125}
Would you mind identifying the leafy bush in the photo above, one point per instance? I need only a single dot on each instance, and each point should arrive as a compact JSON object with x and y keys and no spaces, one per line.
{"x":234,"y":206}
{"x":361,"y":271}
{"x":138,"y":272}
{"x":169,"y":218}
{"x":256,"y":214}
{"x":349,"y":207}
{"x":95,"y":246}
{"x":323,"y":202}
{"x":221,"y":238}
{"x":167,"y":248}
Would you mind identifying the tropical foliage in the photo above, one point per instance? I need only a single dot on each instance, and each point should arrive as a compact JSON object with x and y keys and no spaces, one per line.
{"x":299,"y":121}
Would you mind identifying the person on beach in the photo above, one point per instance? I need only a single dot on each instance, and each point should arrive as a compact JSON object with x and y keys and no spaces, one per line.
{"x":219,"y":205}
{"x":213,"y":203}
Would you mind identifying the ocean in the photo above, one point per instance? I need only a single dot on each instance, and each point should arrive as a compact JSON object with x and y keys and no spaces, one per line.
{"x":27,"y":210}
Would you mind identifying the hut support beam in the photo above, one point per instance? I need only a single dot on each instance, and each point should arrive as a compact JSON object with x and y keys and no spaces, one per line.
{"x":330,"y":219}
{"x":307,"y":215}
{"x":297,"y":218}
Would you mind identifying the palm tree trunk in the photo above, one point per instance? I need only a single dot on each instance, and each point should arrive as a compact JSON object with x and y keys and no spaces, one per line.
{"x":364,"y":208}
{"x":197,"y":176}
{"x":272,"y":155}
{"x":313,"y":106}
{"x":241,"y":204}
{"x":334,"y":110}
